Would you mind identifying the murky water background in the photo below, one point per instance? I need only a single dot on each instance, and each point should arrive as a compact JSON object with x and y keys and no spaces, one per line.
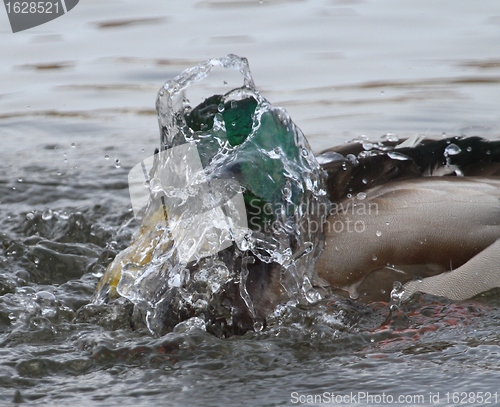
{"x":77,"y":112}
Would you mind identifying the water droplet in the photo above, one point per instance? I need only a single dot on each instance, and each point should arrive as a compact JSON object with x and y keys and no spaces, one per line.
{"x":313,"y":296}
{"x":367,"y":146}
{"x":73,"y":145}
{"x":374,"y":258}
{"x":30,"y":216}
{"x":364,"y":181}
{"x":378,"y":233}
{"x":349,"y":195}
{"x":45,"y":298}
{"x":155,"y":185}
{"x":397,"y":156}
{"x":396,"y":295}
{"x":220,"y":108}
{"x":287,"y":193}
{"x":106,"y":157}
{"x":391,"y":137}
{"x":387,"y":223}
{"x":352,"y":158}
{"x":361,"y":196}
{"x":47,"y":214}
{"x":365,"y":154}
{"x":354,"y":295}
{"x":244,"y":244}
{"x":469,"y":149}
{"x":452,"y":149}
{"x":258,"y":326}
{"x":117,"y":163}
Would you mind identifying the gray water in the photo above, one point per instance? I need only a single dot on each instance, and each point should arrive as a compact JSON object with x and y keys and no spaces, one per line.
{"x":78,"y":93}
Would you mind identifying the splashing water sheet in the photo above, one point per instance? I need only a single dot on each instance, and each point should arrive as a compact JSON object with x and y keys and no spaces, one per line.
{"x":266,"y":197}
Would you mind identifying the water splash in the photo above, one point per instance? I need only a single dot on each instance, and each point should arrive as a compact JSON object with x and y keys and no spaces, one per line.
{"x":241,"y":138}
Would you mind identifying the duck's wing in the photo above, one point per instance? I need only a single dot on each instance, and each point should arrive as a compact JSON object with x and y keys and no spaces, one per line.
{"x":351,"y":169}
{"x":406,"y":229}
{"x":480,"y":274}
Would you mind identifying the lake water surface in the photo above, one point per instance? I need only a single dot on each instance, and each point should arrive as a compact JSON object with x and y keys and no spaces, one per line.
{"x":77,"y":113}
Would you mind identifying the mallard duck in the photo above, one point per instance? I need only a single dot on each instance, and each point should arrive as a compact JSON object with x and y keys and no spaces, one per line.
{"x":420,"y":213}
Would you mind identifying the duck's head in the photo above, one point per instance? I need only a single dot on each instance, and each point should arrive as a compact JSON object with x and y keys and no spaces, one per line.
{"x":230,"y":207}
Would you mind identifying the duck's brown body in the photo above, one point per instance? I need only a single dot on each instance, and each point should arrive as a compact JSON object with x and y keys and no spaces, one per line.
{"x":407,"y":225}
